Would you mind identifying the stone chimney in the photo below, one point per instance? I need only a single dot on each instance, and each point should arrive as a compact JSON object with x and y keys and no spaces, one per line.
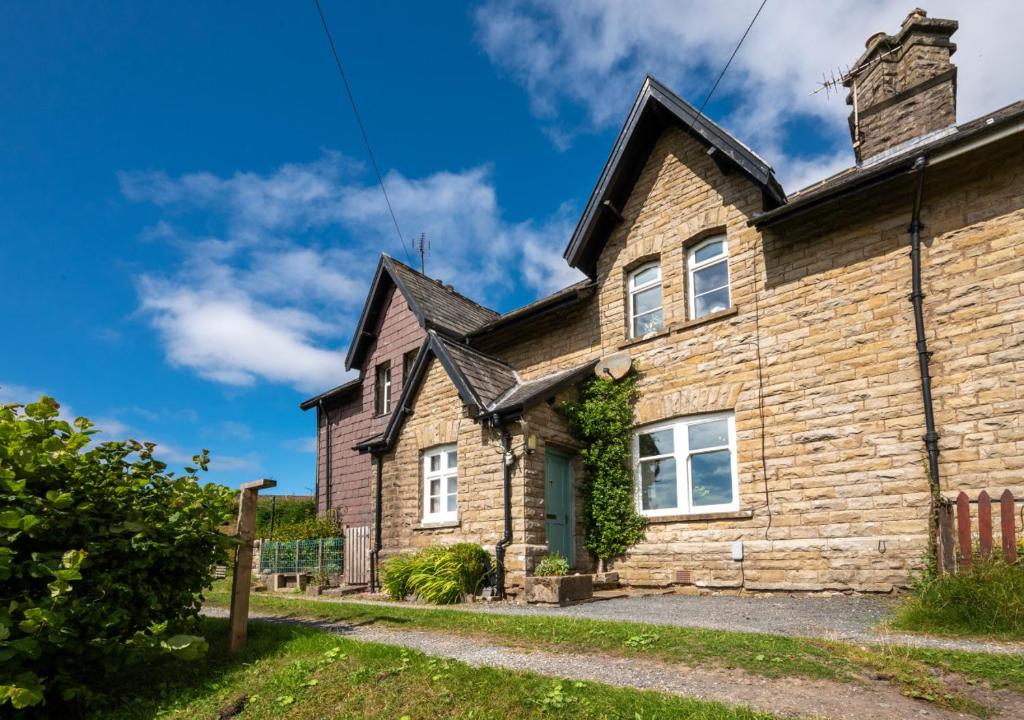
{"x":903,"y":87}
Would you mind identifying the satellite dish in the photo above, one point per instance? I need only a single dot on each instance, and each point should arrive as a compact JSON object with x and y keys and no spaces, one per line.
{"x":614,"y":366}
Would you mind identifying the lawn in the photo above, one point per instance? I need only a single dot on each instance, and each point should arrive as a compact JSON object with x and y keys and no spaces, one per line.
{"x":913,"y":670}
{"x":303,"y":673}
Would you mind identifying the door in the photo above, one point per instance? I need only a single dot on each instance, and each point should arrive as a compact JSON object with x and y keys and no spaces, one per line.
{"x":558,"y":503}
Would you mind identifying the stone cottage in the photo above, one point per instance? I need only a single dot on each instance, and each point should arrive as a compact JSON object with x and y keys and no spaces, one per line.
{"x":811,"y":365}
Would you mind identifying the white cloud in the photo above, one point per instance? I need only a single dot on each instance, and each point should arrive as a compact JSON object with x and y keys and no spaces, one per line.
{"x":593,"y":54}
{"x":274,"y":293}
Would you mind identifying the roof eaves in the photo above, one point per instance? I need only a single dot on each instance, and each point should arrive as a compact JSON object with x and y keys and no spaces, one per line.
{"x":970,"y":135}
{"x":329,"y":394}
{"x":560,"y":298}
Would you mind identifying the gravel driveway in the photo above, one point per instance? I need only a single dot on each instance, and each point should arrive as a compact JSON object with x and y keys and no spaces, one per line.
{"x":853,"y":618}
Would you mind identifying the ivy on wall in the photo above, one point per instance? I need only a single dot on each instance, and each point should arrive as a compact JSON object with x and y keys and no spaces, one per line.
{"x":602,"y":421}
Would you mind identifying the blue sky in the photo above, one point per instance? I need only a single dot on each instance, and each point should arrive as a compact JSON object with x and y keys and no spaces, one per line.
{"x":188,"y":223}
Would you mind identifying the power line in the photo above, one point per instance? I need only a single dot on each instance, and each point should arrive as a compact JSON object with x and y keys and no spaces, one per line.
{"x":729,"y":62}
{"x":362,"y":130}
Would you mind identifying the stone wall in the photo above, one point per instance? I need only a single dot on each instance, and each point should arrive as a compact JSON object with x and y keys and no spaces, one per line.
{"x":437,"y":418}
{"x":837,"y":389}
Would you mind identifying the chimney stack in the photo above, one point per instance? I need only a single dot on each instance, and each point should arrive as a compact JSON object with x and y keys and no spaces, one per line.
{"x":903,"y":87}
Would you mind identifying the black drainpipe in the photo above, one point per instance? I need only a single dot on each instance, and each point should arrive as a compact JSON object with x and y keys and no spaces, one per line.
{"x":506,"y":538}
{"x":327,"y":459}
{"x":377,"y":513}
{"x":931,"y":436}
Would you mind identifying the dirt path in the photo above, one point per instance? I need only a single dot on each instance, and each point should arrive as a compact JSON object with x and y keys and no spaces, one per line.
{"x":787,"y":697}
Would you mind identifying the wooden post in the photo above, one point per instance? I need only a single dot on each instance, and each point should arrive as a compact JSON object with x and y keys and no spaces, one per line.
{"x":985,"y":524}
{"x":963,"y":529}
{"x":238,"y":620}
{"x":1007,"y":531}
{"x":946,"y":561}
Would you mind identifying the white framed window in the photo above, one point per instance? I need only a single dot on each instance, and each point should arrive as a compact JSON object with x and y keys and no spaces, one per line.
{"x":440,"y":484}
{"x":687,"y":466}
{"x":708,"y":267}
{"x":382,"y":389}
{"x":645,"y":311}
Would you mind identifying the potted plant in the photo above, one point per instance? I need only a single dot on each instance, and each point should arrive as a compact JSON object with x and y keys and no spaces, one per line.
{"x":551,"y":583}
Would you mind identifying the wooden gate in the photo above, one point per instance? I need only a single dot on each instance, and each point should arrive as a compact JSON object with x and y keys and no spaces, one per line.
{"x":357,"y":555}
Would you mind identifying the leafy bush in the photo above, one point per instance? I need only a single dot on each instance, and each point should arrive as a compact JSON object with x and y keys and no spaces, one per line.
{"x":310,"y":528}
{"x":988,"y":599}
{"x":286,"y":512}
{"x":602,"y":421}
{"x":553,"y":564}
{"x":394,"y":576}
{"x":437,"y":575}
{"x":101,"y":550}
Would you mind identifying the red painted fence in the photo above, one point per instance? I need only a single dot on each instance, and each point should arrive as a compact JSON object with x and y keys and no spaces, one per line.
{"x":959,"y":553}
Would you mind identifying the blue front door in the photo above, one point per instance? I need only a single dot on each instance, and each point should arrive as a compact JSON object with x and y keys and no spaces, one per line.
{"x":558,"y":503}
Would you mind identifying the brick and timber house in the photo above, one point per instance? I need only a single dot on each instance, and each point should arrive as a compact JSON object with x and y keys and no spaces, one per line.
{"x":812,"y":367}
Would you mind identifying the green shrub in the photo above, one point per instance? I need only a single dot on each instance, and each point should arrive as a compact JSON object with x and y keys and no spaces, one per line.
{"x":101,"y":551}
{"x":394,"y":576}
{"x":602,"y":421}
{"x":310,"y":528}
{"x":286,"y":512}
{"x":988,"y":599}
{"x":553,"y":564}
{"x":437,"y":575}
{"x":473,"y":565}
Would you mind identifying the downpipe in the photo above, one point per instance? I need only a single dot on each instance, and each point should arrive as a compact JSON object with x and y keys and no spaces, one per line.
{"x":378,"y":493}
{"x":931,"y":435}
{"x":506,"y":539}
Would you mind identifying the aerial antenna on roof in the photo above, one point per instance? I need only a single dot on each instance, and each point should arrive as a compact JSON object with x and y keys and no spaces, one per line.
{"x":424,"y":247}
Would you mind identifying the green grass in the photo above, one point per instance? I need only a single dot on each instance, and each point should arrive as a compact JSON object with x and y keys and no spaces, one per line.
{"x":987,"y":601}
{"x":303,"y":673}
{"x":911,"y":669}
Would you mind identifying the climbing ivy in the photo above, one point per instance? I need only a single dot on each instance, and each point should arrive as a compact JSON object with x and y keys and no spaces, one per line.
{"x":602,"y":420}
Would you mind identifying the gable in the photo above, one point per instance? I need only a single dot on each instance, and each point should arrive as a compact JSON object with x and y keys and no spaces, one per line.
{"x":655,"y":109}
{"x":436,"y":306}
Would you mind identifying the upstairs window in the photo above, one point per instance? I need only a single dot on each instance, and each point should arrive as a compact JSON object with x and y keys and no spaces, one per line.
{"x":440,"y":484}
{"x":708,"y":265}
{"x":382,"y":389}
{"x":645,"y":313}
{"x":687,"y":466}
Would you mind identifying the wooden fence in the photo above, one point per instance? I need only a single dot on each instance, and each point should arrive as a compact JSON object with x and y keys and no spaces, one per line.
{"x":955,"y":548}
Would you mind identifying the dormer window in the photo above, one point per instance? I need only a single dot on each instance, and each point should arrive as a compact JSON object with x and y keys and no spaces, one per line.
{"x":645,"y":312}
{"x":708,"y":267}
{"x":382,"y":389}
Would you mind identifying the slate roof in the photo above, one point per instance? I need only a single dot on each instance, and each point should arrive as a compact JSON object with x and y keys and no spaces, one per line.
{"x":527,"y":393}
{"x":655,"y":108}
{"x":558,"y":300}
{"x":894,"y":163}
{"x":435,"y":306}
{"x":487,"y":377}
{"x":441,"y":307}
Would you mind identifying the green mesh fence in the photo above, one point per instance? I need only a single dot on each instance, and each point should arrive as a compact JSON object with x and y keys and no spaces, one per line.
{"x":306,"y":556}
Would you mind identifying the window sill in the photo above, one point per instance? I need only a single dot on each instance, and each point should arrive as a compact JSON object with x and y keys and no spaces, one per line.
{"x":700,"y":517}
{"x":441,"y":525}
{"x":720,"y":315}
{"x":644,"y":339}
